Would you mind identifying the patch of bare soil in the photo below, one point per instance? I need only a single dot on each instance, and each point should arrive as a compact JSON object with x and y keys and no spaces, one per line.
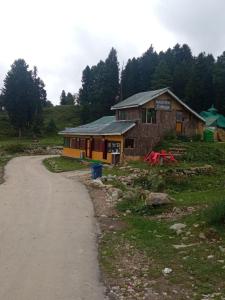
{"x":133,"y":277}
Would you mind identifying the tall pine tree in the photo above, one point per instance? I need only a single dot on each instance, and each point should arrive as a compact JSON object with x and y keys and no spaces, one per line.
{"x":219,"y":83}
{"x":23,"y":93}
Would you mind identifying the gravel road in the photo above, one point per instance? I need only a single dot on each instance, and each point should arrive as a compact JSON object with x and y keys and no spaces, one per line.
{"x":47,"y":236}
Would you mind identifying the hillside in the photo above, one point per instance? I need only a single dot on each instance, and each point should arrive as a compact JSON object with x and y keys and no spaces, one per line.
{"x":63,"y":116}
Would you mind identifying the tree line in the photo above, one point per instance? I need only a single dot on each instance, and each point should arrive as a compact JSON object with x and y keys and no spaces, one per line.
{"x":197,"y":80}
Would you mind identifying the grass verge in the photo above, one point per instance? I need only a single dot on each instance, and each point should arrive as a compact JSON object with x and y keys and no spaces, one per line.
{"x":63,"y":164}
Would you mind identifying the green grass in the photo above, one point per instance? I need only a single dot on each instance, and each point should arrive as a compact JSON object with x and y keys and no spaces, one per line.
{"x":63,"y":164}
{"x":63,"y":116}
{"x":43,"y":141}
{"x":205,"y":193}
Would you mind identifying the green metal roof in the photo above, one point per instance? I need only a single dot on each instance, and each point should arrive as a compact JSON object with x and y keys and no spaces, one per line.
{"x":212,"y":118}
{"x":103,"y":126}
{"x":144,"y":97}
{"x":138,"y":99}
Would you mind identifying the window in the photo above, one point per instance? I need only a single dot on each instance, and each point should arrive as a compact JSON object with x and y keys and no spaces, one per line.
{"x":97,"y":145}
{"x":113,"y":147}
{"x":129,"y":143}
{"x":163,"y":104}
{"x":122,"y":115}
{"x":82,"y":144}
{"x":179,"y":116}
{"x":75,"y":143}
{"x":148,"y":115}
{"x":66,"y":142}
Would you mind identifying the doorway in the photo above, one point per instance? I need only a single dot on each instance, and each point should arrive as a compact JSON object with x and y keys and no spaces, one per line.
{"x":88,"y":148}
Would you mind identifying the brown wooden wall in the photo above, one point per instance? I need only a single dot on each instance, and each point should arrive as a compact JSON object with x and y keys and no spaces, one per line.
{"x":147,"y":136}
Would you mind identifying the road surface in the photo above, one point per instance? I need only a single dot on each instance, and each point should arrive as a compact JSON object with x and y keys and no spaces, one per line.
{"x":47,"y":236}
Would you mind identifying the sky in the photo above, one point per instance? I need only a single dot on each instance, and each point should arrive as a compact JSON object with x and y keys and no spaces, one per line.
{"x":62,"y":37}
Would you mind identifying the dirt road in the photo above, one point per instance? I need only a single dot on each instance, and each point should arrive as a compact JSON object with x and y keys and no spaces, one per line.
{"x":47,"y":236}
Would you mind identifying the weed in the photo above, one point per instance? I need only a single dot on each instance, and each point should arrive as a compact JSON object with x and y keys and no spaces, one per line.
{"x":215,"y":214}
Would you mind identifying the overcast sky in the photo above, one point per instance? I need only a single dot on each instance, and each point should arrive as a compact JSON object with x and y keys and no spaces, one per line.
{"x":62,"y":37}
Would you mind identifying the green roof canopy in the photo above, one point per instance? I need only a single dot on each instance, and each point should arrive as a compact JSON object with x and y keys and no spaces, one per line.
{"x":212,"y":118}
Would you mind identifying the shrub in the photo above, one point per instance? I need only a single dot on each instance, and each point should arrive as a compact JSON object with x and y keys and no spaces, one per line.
{"x":51,"y":127}
{"x":215,"y":214}
{"x":153,"y":182}
{"x":170,"y":135}
{"x":196,"y":138}
{"x":14,"y":148}
{"x":183,"y":138}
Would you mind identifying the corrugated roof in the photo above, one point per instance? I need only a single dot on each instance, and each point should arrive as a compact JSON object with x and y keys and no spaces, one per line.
{"x":138,"y":99}
{"x":144,"y":97}
{"x":212,"y":118}
{"x":103,"y":126}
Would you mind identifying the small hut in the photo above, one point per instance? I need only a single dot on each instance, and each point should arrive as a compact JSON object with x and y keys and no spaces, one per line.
{"x":215,"y":122}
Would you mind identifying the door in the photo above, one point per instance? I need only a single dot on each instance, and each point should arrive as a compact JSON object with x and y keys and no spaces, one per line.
{"x":178,"y":128}
{"x":179,"y":122}
{"x":89,"y":148}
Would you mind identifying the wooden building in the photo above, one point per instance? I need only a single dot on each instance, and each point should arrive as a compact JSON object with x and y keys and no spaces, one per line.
{"x":140,"y":122}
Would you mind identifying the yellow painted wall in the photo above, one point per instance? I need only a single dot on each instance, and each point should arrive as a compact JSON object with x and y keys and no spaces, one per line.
{"x":72,"y":152}
{"x":76,"y":153}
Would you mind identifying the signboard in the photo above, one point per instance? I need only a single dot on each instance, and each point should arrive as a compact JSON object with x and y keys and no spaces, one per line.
{"x":163,"y":105}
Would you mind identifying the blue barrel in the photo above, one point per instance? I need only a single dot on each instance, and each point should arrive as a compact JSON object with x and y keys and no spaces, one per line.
{"x":96,"y":171}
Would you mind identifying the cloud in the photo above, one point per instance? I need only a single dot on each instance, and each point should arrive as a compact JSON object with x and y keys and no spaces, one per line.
{"x":62,"y":37}
{"x":199,"y":23}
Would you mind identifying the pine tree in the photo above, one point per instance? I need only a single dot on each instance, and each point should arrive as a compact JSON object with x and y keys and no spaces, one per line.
{"x":130,"y":78}
{"x":147,"y":65}
{"x":69,"y":99}
{"x":200,"y":89}
{"x":219,"y":83}
{"x":162,"y":77}
{"x":23,"y":94}
{"x":63,"y":98}
{"x":100,"y":88}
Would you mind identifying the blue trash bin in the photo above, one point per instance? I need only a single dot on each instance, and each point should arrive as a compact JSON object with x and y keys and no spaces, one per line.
{"x":96,"y":171}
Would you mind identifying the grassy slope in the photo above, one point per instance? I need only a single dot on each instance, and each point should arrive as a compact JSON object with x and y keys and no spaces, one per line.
{"x":64,"y":116}
{"x":192,"y":269}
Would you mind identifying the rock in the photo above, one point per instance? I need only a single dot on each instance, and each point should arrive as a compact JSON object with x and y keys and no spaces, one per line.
{"x":202,"y":236}
{"x":222,"y":249}
{"x":177,"y":210}
{"x":178,"y":226}
{"x":210,"y":256}
{"x":155,"y":199}
{"x":184,"y":246}
{"x":97,"y":182}
{"x":116,"y":194}
{"x":221,"y":261}
{"x":167,"y":271}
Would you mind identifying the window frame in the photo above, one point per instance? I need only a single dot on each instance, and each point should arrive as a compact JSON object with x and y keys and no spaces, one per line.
{"x":66,"y":142}
{"x":125,"y":143}
{"x":145,"y":115}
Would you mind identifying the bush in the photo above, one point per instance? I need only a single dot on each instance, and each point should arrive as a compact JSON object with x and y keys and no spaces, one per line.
{"x":196,"y":138}
{"x":14,"y":148}
{"x":51,"y":128}
{"x":215,"y":214}
{"x":170,"y":135}
{"x":153,"y":182}
{"x":183,"y":138}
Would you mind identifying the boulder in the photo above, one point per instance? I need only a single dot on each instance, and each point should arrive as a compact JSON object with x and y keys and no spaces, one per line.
{"x":156,"y":199}
{"x":178,"y":227}
{"x":116,"y":194}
